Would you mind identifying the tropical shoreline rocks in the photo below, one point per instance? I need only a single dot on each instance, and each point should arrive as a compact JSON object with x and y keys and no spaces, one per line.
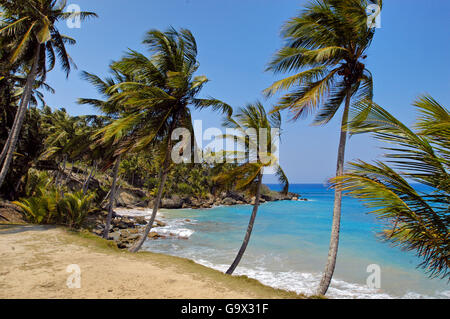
{"x":126,"y":230}
{"x":209,"y":201}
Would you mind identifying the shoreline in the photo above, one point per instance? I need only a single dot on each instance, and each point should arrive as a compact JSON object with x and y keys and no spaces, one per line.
{"x":299,"y":280}
{"x":35,"y":260}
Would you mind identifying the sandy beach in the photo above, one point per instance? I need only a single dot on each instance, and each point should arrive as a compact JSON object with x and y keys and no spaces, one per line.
{"x":35,"y":258}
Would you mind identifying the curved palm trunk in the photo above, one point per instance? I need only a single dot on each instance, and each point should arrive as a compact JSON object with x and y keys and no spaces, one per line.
{"x":162,"y":181}
{"x":61,"y":175}
{"x":8,"y":142}
{"x":88,"y":180}
{"x":249,"y":229}
{"x":335,"y":228}
{"x":20,"y":116}
{"x":111,"y":199}
{"x":163,"y":177}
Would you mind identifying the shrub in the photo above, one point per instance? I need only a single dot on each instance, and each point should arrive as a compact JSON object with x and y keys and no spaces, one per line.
{"x":54,"y":206}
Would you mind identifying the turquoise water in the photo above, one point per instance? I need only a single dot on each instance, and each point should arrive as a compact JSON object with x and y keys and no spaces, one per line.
{"x":289,"y":246}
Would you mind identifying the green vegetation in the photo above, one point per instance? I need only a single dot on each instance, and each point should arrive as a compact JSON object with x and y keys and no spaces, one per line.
{"x":58,"y":168}
{"x":49,"y":204}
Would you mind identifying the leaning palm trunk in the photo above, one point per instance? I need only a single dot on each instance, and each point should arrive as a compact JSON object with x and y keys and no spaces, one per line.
{"x":61,"y":174}
{"x":20,"y":116}
{"x":156,"y":204}
{"x":249,"y":230}
{"x":8,"y":142}
{"x":335,"y":228}
{"x":111,"y":199}
{"x":88,"y":180}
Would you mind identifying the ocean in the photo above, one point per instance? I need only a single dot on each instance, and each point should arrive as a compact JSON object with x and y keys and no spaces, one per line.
{"x":289,"y":246}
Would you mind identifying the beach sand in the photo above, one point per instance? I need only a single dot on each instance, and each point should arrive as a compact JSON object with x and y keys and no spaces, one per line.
{"x":34,"y":261}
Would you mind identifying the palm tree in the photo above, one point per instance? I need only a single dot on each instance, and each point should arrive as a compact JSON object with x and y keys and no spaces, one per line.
{"x":11,"y":97}
{"x":326,"y":45}
{"x":415,"y":220}
{"x":113,"y":110}
{"x":251,"y":123}
{"x":158,"y":100}
{"x":32,"y":26}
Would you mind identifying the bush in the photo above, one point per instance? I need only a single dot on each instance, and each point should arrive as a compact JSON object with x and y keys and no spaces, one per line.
{"x":54,"y":206}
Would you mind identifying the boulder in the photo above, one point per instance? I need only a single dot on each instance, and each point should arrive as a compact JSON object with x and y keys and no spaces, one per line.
{"x":159,"y":223}
{"x":126,"y":199}
{"x":140,"y":220}
{"x":236,"y":196}
{"x":228,"y":201}
{"x":153,"y":235}
{"x":172,"y":203}
{"x":123,"y":223}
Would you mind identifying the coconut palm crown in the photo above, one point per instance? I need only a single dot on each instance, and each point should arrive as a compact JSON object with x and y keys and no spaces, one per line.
{"x":158,"y":98}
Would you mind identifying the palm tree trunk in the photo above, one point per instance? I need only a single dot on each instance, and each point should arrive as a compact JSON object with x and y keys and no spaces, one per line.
{"x":249,"y":229}
{"x":163,"y":177}
{"x":111,"y":199}
{"x":20,"y":116}
{"x":69,"y":176}
{"x":162,"y":181}
{"x":335,"y":228}
{"x":88,"y":180}
{"x":60,"y":173}
{"x":8,"y":142}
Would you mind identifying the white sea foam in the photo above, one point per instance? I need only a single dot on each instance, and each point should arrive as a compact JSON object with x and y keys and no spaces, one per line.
{"x":174,"y":227}
{"x":307,"y":283}
{"x":299,"y":282}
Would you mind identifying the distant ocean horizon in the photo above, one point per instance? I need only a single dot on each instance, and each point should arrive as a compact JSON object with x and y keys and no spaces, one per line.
{"x":289,"y":246}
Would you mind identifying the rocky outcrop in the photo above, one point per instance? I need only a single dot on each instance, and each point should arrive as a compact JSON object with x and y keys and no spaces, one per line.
{"x":124,"y":231}
{"x":175,"y":202}
{"x":228,"y":201}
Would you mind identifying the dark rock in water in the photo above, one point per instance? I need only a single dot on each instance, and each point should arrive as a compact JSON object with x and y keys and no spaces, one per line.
{"x":153,"y":235}
{"x":159,"y":223}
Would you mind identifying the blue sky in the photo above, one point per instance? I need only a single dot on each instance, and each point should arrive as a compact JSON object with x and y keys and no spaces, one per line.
{"x":236,"y":38}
